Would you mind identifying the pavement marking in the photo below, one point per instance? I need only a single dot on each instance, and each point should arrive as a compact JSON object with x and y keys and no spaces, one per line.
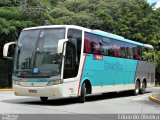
{"x":154,"y":99}
{"x":6,"y":89}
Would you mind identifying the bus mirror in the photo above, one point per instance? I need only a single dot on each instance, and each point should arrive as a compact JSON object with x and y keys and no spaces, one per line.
{"x":60,"y":45}
{"x":8,"y":50}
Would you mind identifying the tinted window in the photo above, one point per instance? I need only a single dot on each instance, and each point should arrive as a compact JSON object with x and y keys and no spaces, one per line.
{"x":95,"y":44}
{"x":129,"y":50}
{"x":103,"y":46}
{"x":116,"y":48}
{"x":73,"y":52}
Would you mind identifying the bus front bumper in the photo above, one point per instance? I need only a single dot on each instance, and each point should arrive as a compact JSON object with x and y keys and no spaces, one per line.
{"x":47,"y":91}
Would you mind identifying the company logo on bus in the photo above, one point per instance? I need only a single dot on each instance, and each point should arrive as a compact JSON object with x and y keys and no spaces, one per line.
{"x":98,"y":57}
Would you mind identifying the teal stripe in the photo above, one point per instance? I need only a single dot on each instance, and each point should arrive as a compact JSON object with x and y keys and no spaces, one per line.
{"x":109,"y":71}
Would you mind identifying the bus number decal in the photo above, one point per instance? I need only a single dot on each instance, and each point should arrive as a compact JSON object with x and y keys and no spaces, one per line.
{"x":98,"y":57}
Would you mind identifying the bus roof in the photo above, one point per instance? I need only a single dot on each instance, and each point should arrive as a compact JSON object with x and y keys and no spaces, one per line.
{"x":97,"y":32}
{"x":117,"y":37}
{"x":59,"y":26}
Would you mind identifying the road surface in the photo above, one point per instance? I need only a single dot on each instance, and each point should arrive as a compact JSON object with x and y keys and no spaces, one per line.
{"x":109,"y":103}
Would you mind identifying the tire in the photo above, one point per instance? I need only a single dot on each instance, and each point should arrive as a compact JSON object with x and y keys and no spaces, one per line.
{"x":81,"y":98}
{"x":143,"y":89}
{"x":44,"y":99}
{"x":137,"y":88}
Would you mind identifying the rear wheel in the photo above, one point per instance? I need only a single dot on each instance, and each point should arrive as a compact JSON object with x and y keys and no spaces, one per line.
{"x":81,"y":98}
{"x":143,"y":89}
{"x":44,"y":99}
{"x":137,"y":88}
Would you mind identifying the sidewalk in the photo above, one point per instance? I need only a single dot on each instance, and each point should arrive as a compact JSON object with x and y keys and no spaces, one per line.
{"x":155,"y":98}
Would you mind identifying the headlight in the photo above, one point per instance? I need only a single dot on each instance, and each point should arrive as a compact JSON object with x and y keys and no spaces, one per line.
{"x":15,"y":82}
{"x":54,"y":82}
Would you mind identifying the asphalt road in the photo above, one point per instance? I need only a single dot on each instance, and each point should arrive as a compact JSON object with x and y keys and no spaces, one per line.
{"x":109,"y":103}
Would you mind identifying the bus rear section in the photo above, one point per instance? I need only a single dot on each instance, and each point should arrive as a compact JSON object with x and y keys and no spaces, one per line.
{"x":114,"y":64}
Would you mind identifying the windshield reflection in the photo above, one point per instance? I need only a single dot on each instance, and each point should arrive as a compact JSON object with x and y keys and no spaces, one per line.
{"x":36,"y":53}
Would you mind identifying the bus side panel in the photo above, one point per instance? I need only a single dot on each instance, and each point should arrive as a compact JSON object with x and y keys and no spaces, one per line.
{"x":115,"y":73}
{"x":92,"y":70}
{"x":146,"y":70}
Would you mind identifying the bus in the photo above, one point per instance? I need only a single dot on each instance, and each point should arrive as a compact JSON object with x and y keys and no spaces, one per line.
{"x":73,"y":61}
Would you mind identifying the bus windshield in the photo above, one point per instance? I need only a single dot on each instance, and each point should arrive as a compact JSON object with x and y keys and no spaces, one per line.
{"x":36,"y":53}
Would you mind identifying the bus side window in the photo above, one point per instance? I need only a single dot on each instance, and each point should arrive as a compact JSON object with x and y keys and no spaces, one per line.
{"x":135,"y":53}
{"x":101,"y":47}
{"x":117,"y":52}
{"x":87,"y":44}
{"x":95,"y":45}
{"x":138,"y":53}
{"x":130,"y":51}
{"x":111,"y":48}
{"x":105,"y":45}
{"x":122,"y":49}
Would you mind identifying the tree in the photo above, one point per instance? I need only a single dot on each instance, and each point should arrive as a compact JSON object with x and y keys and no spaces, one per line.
{"x":132,"y":19}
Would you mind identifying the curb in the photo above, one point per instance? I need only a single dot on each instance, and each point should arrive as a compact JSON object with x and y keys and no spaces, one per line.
{"x":154,"y":99}
{"x":6,"y":89}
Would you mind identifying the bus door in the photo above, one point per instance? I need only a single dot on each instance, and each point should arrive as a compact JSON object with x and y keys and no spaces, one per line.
{"x":72,"y":55}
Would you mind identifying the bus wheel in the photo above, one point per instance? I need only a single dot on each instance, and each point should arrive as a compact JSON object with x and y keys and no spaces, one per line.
{"x":143,"y":89}
{"x":81,"y":98}
{"x":137,"y":88}
{"x":44,"y":99}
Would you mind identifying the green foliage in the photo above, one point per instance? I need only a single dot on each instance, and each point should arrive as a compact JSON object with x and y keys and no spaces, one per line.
{"x":148,"y":56}
{"x":132,"y":19}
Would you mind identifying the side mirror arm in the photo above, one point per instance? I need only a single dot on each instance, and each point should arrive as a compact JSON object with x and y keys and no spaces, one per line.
{"x":61,"y":45}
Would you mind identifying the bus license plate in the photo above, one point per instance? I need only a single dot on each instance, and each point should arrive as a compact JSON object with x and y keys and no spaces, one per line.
{"x":32,"y":91}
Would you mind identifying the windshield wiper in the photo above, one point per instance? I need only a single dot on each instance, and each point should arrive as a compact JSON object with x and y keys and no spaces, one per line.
{"x":24,"y":70}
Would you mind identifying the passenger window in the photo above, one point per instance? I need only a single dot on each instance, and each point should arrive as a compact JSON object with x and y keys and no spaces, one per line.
{"x":129,"y":50}
{"x":95,"y":44}
{"x":87,"y":45}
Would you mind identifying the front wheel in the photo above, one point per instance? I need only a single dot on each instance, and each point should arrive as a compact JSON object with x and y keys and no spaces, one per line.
{"x":81,"y":98}
{"x":44,"y":99}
